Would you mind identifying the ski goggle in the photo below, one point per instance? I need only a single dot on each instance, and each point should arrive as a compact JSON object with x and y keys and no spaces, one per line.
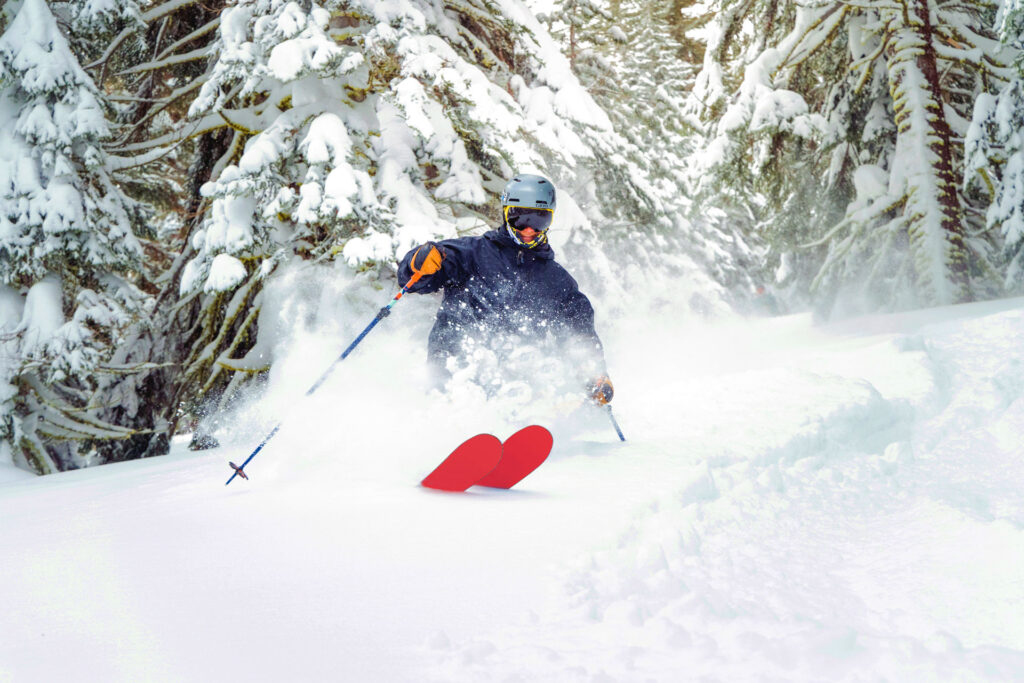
{"x":520,"y":218}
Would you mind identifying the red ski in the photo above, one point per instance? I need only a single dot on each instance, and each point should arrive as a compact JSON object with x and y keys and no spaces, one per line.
{"x":485,"y":461}
{"x":522,"y":453}
{"x":466,"y":465}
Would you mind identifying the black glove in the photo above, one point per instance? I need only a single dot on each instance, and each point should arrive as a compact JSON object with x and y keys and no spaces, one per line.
{"x":426,"y":259}
{"x":601,"y":390}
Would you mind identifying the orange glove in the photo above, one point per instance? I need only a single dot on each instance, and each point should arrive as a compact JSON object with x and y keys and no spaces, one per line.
{"x":427,"y":259}
{"x":601,"y":390}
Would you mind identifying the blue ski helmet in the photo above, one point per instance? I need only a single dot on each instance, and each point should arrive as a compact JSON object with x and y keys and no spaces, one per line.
{"x":528,"y":202}
{"x":529,"y":191}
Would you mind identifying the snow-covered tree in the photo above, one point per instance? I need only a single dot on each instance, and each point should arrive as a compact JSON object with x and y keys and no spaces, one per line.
{"x":995,"y":147}
{"x":150,"y":59}
{"x":625,"y":53}
{"x":68,"y":255}
{"x":870,"y":97}
{"x":580,"y":25}
{"x":655,"y":77}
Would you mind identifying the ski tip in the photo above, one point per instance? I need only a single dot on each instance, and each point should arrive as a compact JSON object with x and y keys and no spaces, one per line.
{"x":238,"y":471}
{"x":540,"y":437}
{"x":466,"y":464}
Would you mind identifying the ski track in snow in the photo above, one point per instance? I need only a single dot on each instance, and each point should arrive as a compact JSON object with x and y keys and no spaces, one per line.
{"x":794,"y":503}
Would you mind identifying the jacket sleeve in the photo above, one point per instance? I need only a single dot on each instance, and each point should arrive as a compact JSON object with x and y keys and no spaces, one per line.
{"x":453,"y":268}
{"x":577,"y":314}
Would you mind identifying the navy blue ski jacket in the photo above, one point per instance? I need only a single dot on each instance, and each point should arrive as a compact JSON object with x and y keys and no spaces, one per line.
{"x":493,"y":286}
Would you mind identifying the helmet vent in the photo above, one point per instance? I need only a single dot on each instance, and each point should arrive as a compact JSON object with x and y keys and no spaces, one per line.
{"x":529,"y":190}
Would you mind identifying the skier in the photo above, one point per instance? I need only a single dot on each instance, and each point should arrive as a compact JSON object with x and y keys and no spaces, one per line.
{"x":504,"y":291}
{"x":765,"y":302}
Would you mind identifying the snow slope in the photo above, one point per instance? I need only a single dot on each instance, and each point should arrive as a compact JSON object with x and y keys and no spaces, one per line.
{"x":794,"y":502}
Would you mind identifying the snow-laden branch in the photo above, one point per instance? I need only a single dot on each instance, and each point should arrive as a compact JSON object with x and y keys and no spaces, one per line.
{"x":59,"y":420}
{"x":166,"y":99}
{"x":203,"y":125}
{"x":161,"y":10}
{"x":864,"y":64}
{"x":248,"y":121}
{"x":199,"y":32}
{"x":147,"y":17}
{"x":813,"y":37}
{"x":114,"y":44}
{"x":119,"y":163}
{"x":976,"y":57}
{"x":194,"y":55}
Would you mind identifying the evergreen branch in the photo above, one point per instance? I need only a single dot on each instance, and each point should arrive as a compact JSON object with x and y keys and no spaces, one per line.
{"x":108,"y":53}
{"x":194,"y":55}
{"x":791,"y":61}
{"x":237,"y":366}
{"x":873,"y":7}
{"x":160,"y":34}
{"x":481,"y":45}
{"x":248,"y":121}
{"x":60,"y":427}
{"x":163,"y":104}
{"x":183,"y":303}
{"x":881,"y":264}
{"x":167,"y":8}
{"x":71,"y":422}
{"x":150,"y":15}
{"x":119,"y":163}
{"x":202,"y":125}
{"x":211,"y":25}
{"x":223,"y":361}
{"x":863,"y":63}
{"x":131,"y":368}
{"x":234,"y":307}
{"x":876,"y":208}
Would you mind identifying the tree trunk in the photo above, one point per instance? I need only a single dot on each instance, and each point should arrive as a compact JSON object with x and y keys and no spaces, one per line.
{"x":949,"y":197}
{"x":927,"y":156}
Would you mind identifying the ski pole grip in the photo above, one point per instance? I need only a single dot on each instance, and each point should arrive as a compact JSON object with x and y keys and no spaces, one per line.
{"x":416,"y":275}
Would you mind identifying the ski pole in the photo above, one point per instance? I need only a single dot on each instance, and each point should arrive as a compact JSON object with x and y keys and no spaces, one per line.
{"x":614,"y":423}
{"x":381,"y":314}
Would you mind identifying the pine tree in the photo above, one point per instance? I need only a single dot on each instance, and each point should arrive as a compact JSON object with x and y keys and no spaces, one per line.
{"x":658,"y":74}
{"x":151,"y":62}
{"x":581,"y":26}
{"x":995,"y":148}
{"x":627,"y":56}
{"x":880,"y":92}
{"x":68,"y":255}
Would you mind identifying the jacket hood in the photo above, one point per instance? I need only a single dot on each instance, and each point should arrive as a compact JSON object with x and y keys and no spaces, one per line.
{"x":501,"y":236}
